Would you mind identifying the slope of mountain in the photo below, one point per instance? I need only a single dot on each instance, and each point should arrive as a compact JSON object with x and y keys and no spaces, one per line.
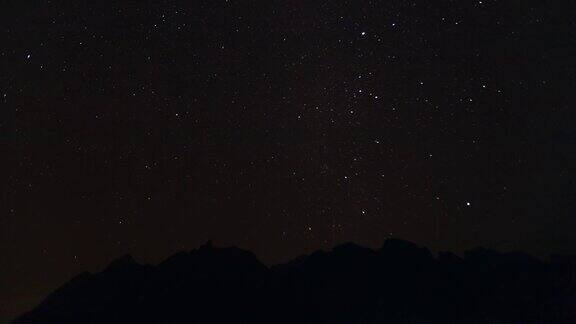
{"x":399,"y":283}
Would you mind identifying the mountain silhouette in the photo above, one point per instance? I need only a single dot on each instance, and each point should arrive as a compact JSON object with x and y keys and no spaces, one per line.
{"x":398,"y":283}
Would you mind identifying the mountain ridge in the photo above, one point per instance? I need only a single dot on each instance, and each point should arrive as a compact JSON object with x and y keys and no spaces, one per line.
{"x":399,"y":282}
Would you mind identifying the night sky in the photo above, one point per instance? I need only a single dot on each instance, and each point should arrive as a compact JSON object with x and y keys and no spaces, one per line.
{"x":282,"y":127}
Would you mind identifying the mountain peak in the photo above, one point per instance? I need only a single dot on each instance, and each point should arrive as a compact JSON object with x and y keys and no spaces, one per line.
{"x":124,"y":262}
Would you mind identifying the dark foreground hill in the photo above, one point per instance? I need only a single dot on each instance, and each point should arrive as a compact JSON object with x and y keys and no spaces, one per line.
{"x":399,"y":283}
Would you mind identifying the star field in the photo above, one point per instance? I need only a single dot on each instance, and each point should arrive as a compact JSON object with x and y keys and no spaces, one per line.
{"x":282,"y":127}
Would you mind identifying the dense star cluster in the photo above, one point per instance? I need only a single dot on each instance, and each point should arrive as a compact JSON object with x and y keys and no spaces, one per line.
{"x":281,"y":127}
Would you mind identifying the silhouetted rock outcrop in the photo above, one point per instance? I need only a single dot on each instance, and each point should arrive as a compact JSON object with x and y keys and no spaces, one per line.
{"x":399,"y":283}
